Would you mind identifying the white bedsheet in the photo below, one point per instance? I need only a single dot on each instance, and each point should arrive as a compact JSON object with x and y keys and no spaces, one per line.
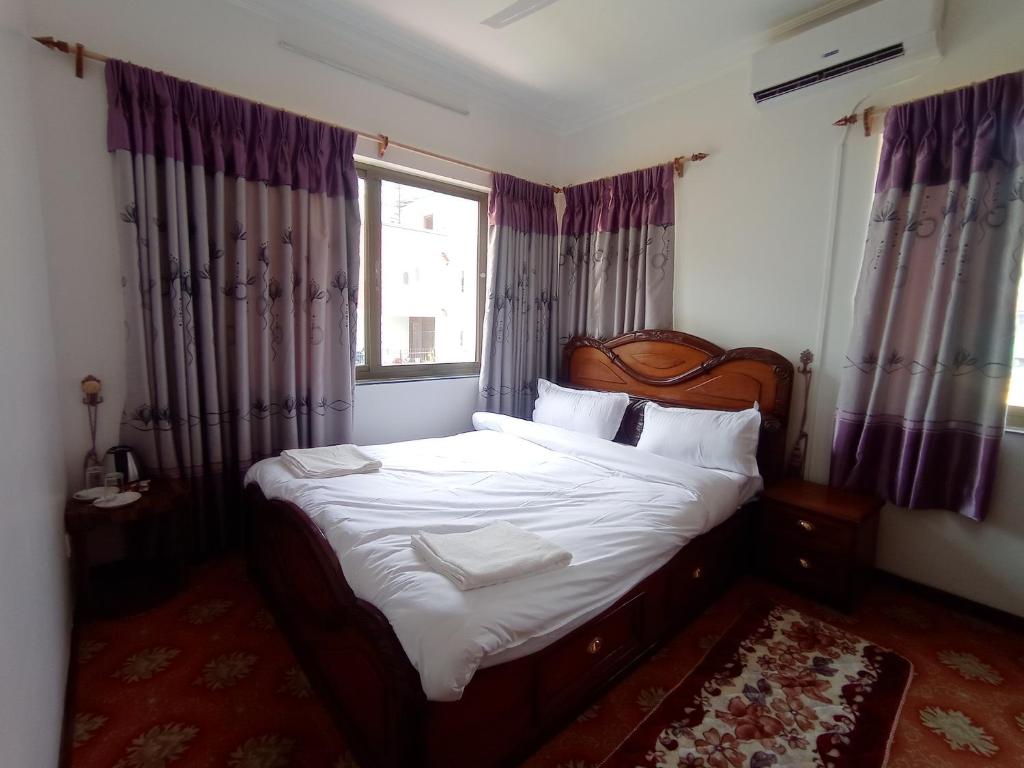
{"x":621,"y":512}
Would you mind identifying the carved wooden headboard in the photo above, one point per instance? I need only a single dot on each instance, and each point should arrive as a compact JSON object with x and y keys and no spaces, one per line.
{"x":673,"y":368}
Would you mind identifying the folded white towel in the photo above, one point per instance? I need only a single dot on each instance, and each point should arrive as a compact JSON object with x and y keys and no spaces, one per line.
{"x":330,"y":461}
{"x":490,"y":555}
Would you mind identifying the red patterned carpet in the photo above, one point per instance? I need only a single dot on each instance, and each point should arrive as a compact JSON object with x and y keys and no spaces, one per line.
{"x":207,"y":680}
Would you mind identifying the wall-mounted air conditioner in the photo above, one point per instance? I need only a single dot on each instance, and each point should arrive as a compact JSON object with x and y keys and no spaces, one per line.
{"x":889,"y":33}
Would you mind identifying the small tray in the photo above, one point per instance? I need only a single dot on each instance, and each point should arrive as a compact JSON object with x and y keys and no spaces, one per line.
{"x":89,"y":494}
{"x":118,"y":500}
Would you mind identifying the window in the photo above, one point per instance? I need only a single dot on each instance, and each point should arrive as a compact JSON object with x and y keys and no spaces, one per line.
{"x":421,"y":340}
{"x":1015,"y":417}
{"x":419,"y":315}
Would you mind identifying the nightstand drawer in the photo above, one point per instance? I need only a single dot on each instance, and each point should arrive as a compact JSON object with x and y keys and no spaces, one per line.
{"x":822,"y":573}
{"x":804,"y":530}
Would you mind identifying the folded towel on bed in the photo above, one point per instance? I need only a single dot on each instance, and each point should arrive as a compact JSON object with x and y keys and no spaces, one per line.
{"x":330,"y":461}
{"x":490,"y":555}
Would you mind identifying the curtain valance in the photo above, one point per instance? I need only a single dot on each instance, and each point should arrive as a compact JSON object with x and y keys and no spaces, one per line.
{"x":627,"y":201}
{"x":949,"y":136}
{"x":521,"y":205}
{"x":155,"y":114}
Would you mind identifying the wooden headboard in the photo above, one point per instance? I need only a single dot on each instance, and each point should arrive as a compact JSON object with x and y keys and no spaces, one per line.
{"x":677,"y":369}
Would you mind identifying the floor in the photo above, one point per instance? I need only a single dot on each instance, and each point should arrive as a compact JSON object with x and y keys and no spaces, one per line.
{"x":206,"y":680}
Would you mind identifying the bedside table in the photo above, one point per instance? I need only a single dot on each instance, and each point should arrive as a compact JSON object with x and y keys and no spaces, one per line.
{"x":817,"y":539}
{"x":150,"y":568}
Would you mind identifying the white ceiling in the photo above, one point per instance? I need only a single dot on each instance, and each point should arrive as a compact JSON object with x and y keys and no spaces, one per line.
{"x":570,"y":64}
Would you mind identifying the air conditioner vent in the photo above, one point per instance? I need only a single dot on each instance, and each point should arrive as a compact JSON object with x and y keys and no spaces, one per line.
{"x":830,"y":73}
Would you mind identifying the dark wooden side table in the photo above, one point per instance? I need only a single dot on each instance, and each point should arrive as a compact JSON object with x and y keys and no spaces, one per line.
{"x":151,"y":566}
{"x":817,"y":539}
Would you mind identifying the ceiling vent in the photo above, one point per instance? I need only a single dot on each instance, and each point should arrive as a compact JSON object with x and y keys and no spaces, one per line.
{"x":886,"y":34}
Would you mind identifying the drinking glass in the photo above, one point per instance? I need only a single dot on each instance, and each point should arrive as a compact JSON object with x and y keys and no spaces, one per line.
{"x":94,"y":476}
{"x":112,"y":484}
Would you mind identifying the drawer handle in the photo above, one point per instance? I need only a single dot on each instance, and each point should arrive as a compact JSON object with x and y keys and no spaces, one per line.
{"x":698,"y":573}
{"x":594,"y":646}
{"x":807,"y":525}
{"x":804,"y":562}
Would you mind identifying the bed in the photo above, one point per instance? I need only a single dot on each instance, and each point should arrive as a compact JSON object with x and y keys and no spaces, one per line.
{"x":409,"y":690}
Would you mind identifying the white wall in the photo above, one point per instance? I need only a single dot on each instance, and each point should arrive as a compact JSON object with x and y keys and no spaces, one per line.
{"x":753,"y":252}
{"x":34,"y":616}
{"x":229,"y":48}
{"x":408,"y":410}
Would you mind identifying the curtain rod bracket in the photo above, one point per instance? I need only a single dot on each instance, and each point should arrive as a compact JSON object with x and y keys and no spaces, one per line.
{"x":79,"y":61}
{"x":679,"y":163}
{"x":868,"y":114}
{"x":382,"y":145}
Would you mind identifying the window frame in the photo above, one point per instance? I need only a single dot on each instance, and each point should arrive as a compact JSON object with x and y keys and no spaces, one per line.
{"x":371,"y":289}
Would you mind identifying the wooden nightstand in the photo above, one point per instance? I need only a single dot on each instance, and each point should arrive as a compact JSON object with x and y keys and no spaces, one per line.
{"x":150,"y":568}
{"x":818,"y":539}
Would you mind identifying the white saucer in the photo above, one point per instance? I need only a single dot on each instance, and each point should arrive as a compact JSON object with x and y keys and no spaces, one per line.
{"x":89,"y":494}
{"x":118,"y":500}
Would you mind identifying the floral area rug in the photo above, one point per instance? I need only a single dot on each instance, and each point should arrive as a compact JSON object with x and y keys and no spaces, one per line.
{"x":778,"y":689}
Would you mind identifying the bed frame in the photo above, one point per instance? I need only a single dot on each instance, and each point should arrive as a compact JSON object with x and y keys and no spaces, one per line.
{"x":356,"y":663}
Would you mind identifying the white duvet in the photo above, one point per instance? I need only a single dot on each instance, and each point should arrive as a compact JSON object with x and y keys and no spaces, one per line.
{"x":620,"y":511}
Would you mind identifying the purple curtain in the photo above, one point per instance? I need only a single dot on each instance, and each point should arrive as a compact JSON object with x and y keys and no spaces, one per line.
{"x":615,"y":266}
{"x":519,"y":343}
{"x":239,"y":232}
{"x":922,"y":401}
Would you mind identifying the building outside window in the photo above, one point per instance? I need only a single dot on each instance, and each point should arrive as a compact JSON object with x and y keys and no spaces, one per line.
{"x":425,"y":240}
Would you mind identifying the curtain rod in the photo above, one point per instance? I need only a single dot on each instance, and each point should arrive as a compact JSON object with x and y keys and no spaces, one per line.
{"x":80,"y":52}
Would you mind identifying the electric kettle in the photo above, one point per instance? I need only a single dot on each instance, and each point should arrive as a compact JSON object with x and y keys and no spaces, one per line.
{"x":123,"y":459}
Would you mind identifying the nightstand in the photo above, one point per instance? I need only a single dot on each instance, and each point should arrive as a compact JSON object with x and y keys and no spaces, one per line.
{"x":817,"y":539}
{"x":151,"y":564}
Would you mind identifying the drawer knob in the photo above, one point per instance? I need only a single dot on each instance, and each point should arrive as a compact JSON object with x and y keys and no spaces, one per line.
{"x":807,"y":525}
{"x":594,"y":646}
{"x":698,"y":573}
{"x":804,"y":562}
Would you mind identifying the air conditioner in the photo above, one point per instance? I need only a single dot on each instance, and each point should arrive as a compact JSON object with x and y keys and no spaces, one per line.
{"x":889,"y":33}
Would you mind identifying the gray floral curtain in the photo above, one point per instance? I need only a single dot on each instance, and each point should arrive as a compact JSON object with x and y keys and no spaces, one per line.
{"x":615,"y":266}
{"x":520,"y":343}
{"x":922,"y":401}
{"x":239,"y":234}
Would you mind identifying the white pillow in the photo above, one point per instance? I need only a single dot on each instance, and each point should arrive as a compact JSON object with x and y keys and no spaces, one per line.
{"x":711,"y":439}
{"x":581,"y":410}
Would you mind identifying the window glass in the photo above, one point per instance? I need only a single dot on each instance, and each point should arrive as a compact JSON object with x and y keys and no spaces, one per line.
{"x":429,"y":240}
{"x":361,"y":311}
{"x":1017,"y":377}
